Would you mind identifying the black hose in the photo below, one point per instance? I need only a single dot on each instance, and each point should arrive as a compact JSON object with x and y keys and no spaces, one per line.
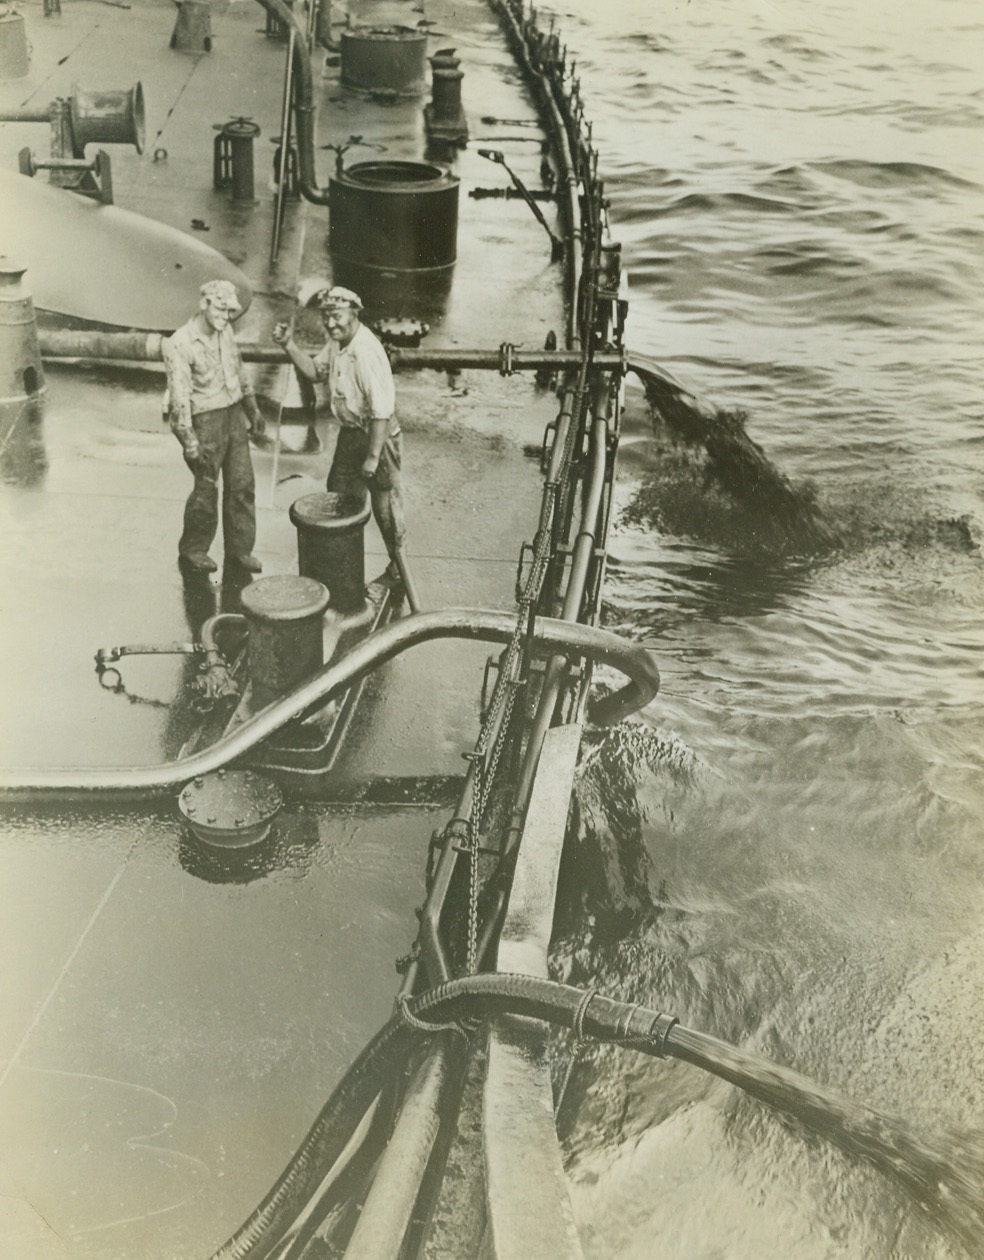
{"x":264,"y":1229}
{"x":929,"y":1170}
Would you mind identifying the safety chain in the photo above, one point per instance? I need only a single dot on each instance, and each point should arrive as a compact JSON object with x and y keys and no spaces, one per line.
{"x":474,"y":817}
{"x":515,"y":665}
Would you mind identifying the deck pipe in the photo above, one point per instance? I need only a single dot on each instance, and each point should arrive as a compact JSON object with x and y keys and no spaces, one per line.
{"x":304,"y":109}
{"x":392,"y":1197}
{"x":568,"y":190}
{"x":145,"y":347}
{"x":483,"y":625}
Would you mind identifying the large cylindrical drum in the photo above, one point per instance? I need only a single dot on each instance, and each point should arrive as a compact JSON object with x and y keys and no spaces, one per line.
{"x":21,"y":374}
{"x":331,"y":546}
{"x":14,"y":57}
{"x":114,"y":117}
{"x":385,"y":59}
{"x":394,"y":216}
{"x":284,"y":616}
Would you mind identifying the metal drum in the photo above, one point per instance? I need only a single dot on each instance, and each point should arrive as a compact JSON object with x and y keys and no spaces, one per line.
{"x":113,"y":117}
{"x":14,"y":57}
{"x":385,"y":59}
{"x":394,"y":216}
{"x":286,"y":642}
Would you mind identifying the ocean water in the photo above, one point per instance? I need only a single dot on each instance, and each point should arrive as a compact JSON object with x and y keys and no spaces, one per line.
{"x":787,"y":849}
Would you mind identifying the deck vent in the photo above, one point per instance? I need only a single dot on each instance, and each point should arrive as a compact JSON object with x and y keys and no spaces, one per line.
{"x":21,"y":375}
{"x":394,"y":216}
{"x":388,"y":60}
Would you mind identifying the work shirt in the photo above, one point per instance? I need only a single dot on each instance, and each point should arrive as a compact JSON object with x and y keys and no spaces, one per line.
{"x":359,"y":380}
{"x":204,"y":372}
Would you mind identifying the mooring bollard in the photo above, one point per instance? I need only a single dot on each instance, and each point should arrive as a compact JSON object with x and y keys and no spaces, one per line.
{"x":444,"y":117}
{"x":331,"y":546}
{"x":284,"y":617}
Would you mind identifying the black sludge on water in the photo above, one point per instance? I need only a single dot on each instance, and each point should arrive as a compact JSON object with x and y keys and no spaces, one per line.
{"x":736,"y":464}
{"x":943,"y":1173}
{"x":639,"y":920}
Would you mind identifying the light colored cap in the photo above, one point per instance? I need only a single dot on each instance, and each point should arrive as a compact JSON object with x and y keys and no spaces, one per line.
{"x":221,"y":293}
{"x":336,"y":296}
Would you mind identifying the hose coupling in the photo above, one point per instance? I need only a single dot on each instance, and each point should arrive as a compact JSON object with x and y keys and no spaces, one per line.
{"x":659,"y":1032}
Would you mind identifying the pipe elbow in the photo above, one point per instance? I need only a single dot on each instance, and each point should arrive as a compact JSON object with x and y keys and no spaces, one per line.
{"x":640,"y":665}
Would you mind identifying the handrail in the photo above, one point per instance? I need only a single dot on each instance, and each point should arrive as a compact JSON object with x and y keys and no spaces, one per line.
{"x":552,"y":635}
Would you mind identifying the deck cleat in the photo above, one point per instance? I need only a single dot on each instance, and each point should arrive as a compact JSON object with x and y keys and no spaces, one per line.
{"x":230,"y":809}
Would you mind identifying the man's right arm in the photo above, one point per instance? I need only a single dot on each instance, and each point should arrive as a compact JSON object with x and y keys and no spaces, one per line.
{"x":178,"y":369}
{"x":305,"y":365}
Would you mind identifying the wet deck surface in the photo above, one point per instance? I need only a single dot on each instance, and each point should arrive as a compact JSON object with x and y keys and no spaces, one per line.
{"x":173,"y":1023}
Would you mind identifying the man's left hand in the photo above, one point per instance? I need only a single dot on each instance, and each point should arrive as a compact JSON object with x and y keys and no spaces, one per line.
{"x":369,"y":466}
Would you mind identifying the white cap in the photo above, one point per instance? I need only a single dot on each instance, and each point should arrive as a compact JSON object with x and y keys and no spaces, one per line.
{"x":221,"y":293}
{"x":327,"y":299}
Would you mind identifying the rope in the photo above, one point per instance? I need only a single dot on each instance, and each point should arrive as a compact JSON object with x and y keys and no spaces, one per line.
{"x":577,"y":1043}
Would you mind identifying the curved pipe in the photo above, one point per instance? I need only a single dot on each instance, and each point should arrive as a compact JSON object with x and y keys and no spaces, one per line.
{"x":453,"y":623}
{"x":303,"y":105}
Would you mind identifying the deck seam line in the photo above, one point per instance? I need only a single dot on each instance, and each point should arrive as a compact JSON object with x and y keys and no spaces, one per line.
{"x":39,"y":1013}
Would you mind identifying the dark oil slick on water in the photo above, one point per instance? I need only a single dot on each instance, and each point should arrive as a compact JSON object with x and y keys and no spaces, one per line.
{"x":787,"y":851}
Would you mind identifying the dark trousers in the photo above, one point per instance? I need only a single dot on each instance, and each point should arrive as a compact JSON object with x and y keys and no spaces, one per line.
{"x":223,"y":451}
{"x":385,"y":488}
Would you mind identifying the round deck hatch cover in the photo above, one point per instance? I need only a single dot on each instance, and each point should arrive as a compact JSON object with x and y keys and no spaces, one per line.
{"x":230,"y":808}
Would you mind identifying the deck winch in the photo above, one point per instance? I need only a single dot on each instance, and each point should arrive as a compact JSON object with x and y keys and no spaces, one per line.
{"x":86,"y":117}
{"x":232,"y":809}
{"x":330,"y":546}
{"x":21,"y":374}
{"x":286,"y":643}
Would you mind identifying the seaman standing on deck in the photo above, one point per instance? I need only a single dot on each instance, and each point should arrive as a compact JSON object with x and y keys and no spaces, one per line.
{"x":368,"y":454}
{"x":213,"y":412}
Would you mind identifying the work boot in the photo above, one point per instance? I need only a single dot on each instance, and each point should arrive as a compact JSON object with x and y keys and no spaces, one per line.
{"x":249,"y":564}
{"x":198,"y":561}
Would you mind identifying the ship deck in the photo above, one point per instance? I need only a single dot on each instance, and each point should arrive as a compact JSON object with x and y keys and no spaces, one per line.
{"x":173,"y":1022}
